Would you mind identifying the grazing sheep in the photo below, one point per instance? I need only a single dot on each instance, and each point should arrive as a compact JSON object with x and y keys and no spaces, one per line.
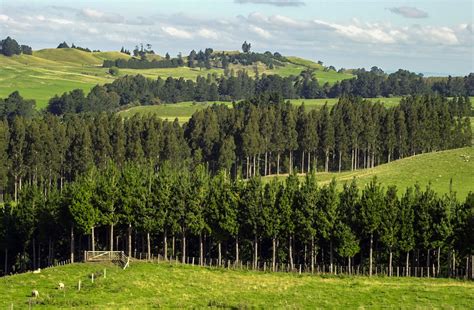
{"x":35,"y":293}
{"x":61,"y":286}
{"x":37,"y":270}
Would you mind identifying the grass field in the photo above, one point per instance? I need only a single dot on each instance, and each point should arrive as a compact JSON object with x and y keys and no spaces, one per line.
{"x":54,"y":71}
{"x":147,"y":285}
{"x":184,"y":110}
{"x":436,"y":168}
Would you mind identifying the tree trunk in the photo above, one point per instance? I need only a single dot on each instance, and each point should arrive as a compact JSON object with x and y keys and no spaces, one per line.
{"x":34,"y":253}
{"x":428,"y":262}
{"x":219,"y":249}
{"x":370,"y":253}
{"x":407,"y":265}
{"x":273,"y":254}
{"x":302,"y":163}
{"x":349,"y":265}
{"x":129,"y":244}
{"x":93,"y":239}
{"x":312,"y":254}
{"x":165,"y":246}
{"x":331,"y":256}
{"x":201,"y":250}
{"x":183,"y":259}
{"x":111,"y":237}
{"x":438,"y":263}
{"x":72,"y":244}
{"x":390,"y":264}
{"x":290,"y":251}
{"x":173,"y":241}
{"x":248,"y":168}
{"x":352,"y":159}
{"x":309,"y":162}
{"x":50,"y":250}
{"x":291,"y":162}
{"x":340,"y":161}
{"x":148,"y":246}
{"x":255,"y":252}
{"x":266,"y":163}
{"x":237,"y":249}
{"x":278,"y":163}
{"x":326,"y":165}
{"x":5,"y":268}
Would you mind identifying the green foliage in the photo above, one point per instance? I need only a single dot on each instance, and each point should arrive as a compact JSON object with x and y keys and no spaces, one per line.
{"x":114,"y":71}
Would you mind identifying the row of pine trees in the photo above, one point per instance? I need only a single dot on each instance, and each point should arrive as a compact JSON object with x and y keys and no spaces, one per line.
{"x":263,"y":136}
{"x":175,"y":212}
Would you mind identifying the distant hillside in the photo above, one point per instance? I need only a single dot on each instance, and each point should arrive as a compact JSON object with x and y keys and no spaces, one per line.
{"x":54,"y":71}
{"x":78,"y":57}
{"x":437,"y":168}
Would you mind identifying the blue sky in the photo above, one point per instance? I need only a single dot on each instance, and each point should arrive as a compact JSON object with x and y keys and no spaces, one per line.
{"x":423,"y":36}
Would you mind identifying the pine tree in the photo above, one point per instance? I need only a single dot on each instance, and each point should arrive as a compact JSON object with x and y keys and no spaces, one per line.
{"x":371,"y":213}
{"x":389,"y":223}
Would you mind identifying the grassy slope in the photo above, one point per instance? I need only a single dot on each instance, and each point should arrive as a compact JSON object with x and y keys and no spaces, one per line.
{"x":146,"y":285}
{"x":435,"y":168}
{"x":54,"y":71}
{"x":184,"y":110}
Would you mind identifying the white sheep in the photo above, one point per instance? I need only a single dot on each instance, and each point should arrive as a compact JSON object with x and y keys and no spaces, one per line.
{"x":35,"y":293}
{"x":61,"y":286}
{"x":37,"y":270}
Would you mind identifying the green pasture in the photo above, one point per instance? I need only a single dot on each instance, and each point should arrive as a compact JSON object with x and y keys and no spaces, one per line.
{"x":184,"y":110}
{"x":164,"y":285}
{"x":54,"y":71}
{"x":437,"y":169}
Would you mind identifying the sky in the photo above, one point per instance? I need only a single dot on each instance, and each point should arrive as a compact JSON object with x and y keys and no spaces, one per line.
{"x":426,"y":36}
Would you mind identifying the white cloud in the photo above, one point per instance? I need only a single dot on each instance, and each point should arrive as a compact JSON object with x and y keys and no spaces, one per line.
{"x":60,"y":21}
{"x":208,"y":34}
{"x":99,"y":16}
{"x":409,"y":12}
{"x":388,"y":34}
{"x":341,"y":43}
{"x":273,"y":2}
{"x":92,"y":13}
{"x":177,"y":33}
{"x":260,"y":32}
{"x":4,"y":18}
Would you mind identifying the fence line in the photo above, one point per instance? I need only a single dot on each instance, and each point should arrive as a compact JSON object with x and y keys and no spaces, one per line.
{"x":358,"y":270}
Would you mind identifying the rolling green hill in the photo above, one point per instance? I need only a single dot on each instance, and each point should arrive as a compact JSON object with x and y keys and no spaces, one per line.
{"x":437,"y":168}
{"x":53,"y":71}
{"x":152,"y":285}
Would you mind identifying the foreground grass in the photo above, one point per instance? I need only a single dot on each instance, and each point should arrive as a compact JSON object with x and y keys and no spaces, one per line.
{"x":146,"y":285}
{"x":436,"y":168}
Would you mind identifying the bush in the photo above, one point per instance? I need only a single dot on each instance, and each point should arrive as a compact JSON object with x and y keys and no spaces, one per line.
{"x":114,"y":71}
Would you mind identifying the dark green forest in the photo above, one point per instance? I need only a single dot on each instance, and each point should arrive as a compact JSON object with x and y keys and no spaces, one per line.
{"x":137,"y":90}
{"x":261,"y":136}
{"x":84,"y":175}
{"x":177,"y":213}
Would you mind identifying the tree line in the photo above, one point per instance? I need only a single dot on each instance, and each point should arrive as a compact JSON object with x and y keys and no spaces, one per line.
{"x":181,"y":212}
{"x":138,"y":90}
{"x":262,"y":136}
{"x":10,"y":47}
{"x":202,"y":59}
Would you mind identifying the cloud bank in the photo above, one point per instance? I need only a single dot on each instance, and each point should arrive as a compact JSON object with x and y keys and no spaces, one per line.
{"x":349,"y":43}
{"x":272,"y":2}
{"x":409,"y":12}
